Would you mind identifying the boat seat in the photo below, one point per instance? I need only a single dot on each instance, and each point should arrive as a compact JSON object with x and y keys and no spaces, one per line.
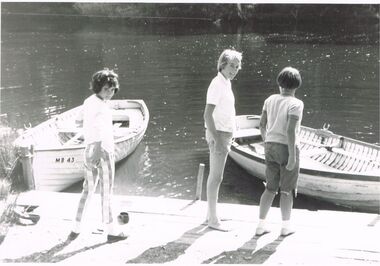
{"x":258,"y":148}
{"x":134,"y":116}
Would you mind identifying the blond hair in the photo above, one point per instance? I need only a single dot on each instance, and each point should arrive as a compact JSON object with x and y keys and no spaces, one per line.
{"x":227,"y":56}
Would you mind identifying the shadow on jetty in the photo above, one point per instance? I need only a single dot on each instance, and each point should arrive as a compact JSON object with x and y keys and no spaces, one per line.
{"x":172,"y":250}
{"x":247,"y":254}
{"x":50,"y":255}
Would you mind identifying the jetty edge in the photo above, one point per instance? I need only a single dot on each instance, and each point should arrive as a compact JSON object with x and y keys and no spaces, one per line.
{"x":172,"y":230}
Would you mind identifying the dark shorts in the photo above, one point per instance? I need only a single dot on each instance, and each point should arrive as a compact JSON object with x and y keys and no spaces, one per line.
{"x":277,"y":176}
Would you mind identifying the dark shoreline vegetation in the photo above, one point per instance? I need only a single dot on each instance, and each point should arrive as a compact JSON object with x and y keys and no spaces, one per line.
{"x":297,"y":23}
{"x":215,"y":13}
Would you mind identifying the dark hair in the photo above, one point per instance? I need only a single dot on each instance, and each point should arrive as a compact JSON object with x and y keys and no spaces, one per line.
{"x":289,"y":78}
{"x":102,"y":78}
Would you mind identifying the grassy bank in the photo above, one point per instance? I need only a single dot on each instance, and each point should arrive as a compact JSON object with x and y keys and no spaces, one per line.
{"x":9,"y":176}
{"x":7,"y":153}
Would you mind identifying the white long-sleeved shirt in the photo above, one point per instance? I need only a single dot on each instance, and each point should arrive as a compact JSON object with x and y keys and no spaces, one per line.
{"x":97,"y":123}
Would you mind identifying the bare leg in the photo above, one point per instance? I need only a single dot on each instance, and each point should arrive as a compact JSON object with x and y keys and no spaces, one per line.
{"x":286,"y":205}
{"x":266,"y":201}
{"x":217,"y":164}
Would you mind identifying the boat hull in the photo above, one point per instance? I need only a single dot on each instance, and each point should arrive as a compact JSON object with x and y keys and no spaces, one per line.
{"x":55,"y":169}
{"x":360,"y":191}
{"x":339,"y":191}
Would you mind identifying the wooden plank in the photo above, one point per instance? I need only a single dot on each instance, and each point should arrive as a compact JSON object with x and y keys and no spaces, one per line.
{"x":305,"y":147}
{"x":364,"y":164}
{"x":341,"y":162}
{"x":353,"y":160}
{"x":332,"y":158}
{"x":369,"y":166}
{"x":319,"y":157}
{"x":327,"y":157}
{"x":338,"y":161}
{"x":377,"y":160}
{"x":347,"y":159}
{"x":316,"y":139}
{"x":359,"y":166}
{"x":377,"y":156}
{"x":306,"y":135}
{"x":372,"y":154}
{"x":303,"y":133}
{"x":366,"y":153}
{"x":359,"y":153}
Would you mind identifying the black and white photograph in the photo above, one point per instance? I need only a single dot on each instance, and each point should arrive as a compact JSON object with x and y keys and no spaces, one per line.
{"x":190,"y":132}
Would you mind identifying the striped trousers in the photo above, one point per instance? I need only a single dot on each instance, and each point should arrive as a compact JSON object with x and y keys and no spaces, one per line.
{"x":104,"y":174}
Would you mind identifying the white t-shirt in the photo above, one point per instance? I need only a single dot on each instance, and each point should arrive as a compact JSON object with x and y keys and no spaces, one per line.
{"x":220,"y":94}
{"x":278,"y":109}
{"x":97,"y":123}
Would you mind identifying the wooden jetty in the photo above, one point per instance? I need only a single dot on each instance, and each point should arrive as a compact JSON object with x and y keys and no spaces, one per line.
{"x":163,"y":230}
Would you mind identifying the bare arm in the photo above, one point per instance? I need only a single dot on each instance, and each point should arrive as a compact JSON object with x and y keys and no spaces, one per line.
{"x":210,"y":123}
{"x":263,"y":124}
{"x":209,"y":120}
{"x":291,"y":133}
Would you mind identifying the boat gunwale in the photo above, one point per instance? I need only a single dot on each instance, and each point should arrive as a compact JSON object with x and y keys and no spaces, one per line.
{"x":132,"y":135}
{"x":328,"y":174}
{"x":334,"y":135}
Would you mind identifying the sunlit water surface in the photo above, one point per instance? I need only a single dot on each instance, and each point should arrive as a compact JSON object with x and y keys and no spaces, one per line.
{"x":46,"y":64}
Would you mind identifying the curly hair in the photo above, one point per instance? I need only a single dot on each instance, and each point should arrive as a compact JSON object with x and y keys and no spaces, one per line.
{"x":102,"y":78}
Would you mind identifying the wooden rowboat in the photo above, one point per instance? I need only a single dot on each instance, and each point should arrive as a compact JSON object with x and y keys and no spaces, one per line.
{"x":52,"y":152}
{"x":333,"y":168}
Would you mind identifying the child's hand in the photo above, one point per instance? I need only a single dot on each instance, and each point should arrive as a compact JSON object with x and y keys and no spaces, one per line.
{"x":291,"y":163}
{"x":94,"y":159}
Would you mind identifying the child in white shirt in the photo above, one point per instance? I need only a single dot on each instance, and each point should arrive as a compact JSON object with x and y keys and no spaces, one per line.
{"x":219,"y":116}
{"x":99,"y":151}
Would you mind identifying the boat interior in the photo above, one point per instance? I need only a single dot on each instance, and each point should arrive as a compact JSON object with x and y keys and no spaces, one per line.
{"x":320,"y":148}
{"x":125,"y":122}
{"x":64,"y":130}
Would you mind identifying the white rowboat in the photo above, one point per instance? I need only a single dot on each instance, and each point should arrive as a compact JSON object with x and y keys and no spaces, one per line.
{"x":333,"y":168}
{"x":55,"y":147}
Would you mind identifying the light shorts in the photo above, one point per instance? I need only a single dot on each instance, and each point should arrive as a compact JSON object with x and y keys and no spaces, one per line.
{"x":277,"y":176}
{"x":226,"y":138}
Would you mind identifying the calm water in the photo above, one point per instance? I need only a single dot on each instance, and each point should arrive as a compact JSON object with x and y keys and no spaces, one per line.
{"x":46,"y":64}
